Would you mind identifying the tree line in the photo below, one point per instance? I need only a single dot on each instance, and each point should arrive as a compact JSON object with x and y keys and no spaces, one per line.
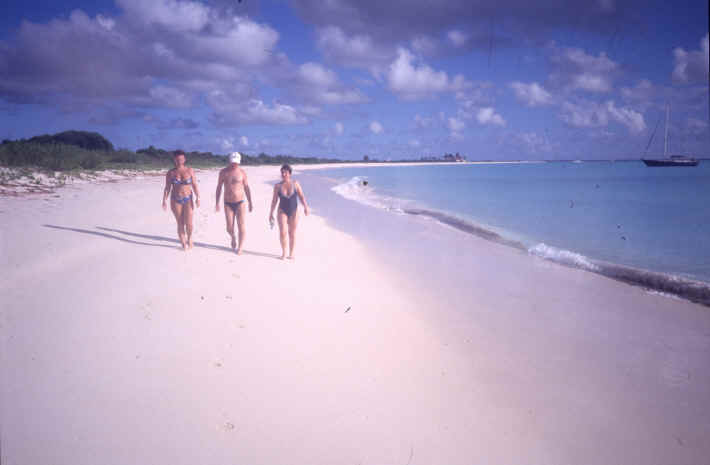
{"x":71,"y":150}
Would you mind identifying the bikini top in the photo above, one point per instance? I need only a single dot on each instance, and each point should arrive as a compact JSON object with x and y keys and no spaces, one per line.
{"x":185,"y":182}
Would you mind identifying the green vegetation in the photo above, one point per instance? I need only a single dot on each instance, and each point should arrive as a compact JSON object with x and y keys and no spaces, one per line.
{"x":81,"y":150}
{"x":85,"y":140}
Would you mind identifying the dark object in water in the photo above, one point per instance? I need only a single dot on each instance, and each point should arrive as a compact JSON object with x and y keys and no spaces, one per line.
{"x":674,"y":160}
{"x":623,"y":238}
{"x":364,"y":183}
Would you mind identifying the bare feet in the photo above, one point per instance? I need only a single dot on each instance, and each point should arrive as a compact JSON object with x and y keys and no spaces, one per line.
{"x":283,"y":257}
{"x":234,"y":243}
{"x":239,"y":251}
{"x":291,"y":257}
{"x":190,"y":244}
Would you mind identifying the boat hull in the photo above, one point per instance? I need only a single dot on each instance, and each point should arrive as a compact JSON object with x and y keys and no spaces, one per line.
{"x":690,"y":162}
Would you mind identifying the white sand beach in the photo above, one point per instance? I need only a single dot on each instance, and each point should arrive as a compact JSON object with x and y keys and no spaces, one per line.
{"x":118,"y":348}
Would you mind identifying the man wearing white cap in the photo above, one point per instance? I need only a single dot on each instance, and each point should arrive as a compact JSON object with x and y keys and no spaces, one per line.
{"x":236,"y":191}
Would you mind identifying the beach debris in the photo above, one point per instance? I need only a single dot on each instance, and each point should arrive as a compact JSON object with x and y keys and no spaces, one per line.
{"x":202,"y":297}
{"x":229,"y":426}
{"x":218,"y":364}
{"x":347,"y":310}
{"x":228,"y":297}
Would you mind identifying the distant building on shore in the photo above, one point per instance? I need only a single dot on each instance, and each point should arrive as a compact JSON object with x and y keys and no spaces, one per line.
{"x":446,"y":157}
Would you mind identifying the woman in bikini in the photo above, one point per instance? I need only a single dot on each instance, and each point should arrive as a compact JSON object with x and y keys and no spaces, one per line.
{"x":287,"y":193}
{"x":182,"y":183}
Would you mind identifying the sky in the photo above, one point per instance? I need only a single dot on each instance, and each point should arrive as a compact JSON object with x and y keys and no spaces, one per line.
{"x":396,"y":79}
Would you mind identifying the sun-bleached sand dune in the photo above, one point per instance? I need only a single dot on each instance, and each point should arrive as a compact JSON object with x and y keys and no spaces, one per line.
{"x":119,"y":348}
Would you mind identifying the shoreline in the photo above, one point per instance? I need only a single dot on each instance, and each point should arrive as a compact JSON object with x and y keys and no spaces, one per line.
{"x":685,"y":287}
{"x":124,"y":348}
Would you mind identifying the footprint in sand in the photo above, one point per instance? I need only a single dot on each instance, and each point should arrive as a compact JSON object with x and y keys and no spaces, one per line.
{"x":675,"y":373}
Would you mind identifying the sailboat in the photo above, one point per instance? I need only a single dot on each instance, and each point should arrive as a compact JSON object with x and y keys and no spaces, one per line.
{"x":673,"y":160}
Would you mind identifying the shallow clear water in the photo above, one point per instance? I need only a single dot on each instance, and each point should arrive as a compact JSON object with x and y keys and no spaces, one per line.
{"x":624,"y":213}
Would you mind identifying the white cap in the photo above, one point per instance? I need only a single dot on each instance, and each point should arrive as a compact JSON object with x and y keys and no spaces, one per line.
{"x":235,"y":157}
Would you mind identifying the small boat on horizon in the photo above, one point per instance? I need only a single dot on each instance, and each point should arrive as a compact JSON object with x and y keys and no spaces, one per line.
{"x":673,"y":160}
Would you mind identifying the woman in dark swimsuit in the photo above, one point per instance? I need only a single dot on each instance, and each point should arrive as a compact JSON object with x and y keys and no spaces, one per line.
{"x":182,"y":182}
{"x":287,"y":193}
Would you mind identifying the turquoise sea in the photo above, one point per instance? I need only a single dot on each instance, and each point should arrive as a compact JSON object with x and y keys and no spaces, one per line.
{"x":646,"y":226}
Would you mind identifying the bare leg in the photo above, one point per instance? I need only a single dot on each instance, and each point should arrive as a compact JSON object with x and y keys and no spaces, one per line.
{"x":241,"y":218}
{"x":187,"y":213}
{"x":229,"y":218}
{"x":282,"y":232}
{"x":177,"y":211}
{"x":292,"y":224}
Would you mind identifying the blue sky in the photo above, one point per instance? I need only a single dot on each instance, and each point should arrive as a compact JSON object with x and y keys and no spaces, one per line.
{"x":509,"y":79}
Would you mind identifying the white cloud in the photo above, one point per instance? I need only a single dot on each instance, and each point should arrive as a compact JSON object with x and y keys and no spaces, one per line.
{"x":585,"y":115}
{"x":229,"y":111}
{"x":626,"y":116}
{"x":226,"y":143}
{"x":321,"y":85}
{"x":170,"y":97}
{"x":412,"y":81}
{"x":574,"y":69}
{"x":643,"y":91}
{"x":591,"y":114}
{"x":692,"y":67}
{"x":533,"y":142}
{"x":358,"y":51}
{"x":532,"y":94}
{"x":455,"y":125}
{"x":696,"y":126}
{"x":339,"y":128}
{"x":376,"y":127}
{"x":424,"y":45}
{"x":106,"y":23}
{"x":457,"y":37}
{"x":488,"y":115}
{"x":316,"y":74}
{"x":244,"y":141}
{"x":177,"y":15}
{"x":243,"y":43}
{"x":341,"y":96}
{"x":591,"y":82}
{"x":422,"y":122}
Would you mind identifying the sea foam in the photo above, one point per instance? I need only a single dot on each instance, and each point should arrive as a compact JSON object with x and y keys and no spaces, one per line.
{"x":564,"y":257}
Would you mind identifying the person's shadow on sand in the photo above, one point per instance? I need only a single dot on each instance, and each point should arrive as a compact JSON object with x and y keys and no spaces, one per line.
{"x":154,"y":238}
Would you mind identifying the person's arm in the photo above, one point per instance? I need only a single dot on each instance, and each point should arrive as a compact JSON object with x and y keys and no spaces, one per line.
{"x":218,"y":194}
{"x":247,"y":191}
{"x":195,"y":188}
{"x":273,"y":202}
{"x":166,"y":191}
{"x":301,"y":196}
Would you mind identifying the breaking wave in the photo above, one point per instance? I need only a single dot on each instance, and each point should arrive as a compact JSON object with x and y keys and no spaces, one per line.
{"x":359,"y":190}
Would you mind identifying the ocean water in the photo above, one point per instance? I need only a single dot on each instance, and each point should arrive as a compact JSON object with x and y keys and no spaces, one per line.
{"x":647,"y":226}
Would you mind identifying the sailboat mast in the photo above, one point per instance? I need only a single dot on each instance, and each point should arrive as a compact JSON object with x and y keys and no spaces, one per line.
{"x":665,"y":138}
